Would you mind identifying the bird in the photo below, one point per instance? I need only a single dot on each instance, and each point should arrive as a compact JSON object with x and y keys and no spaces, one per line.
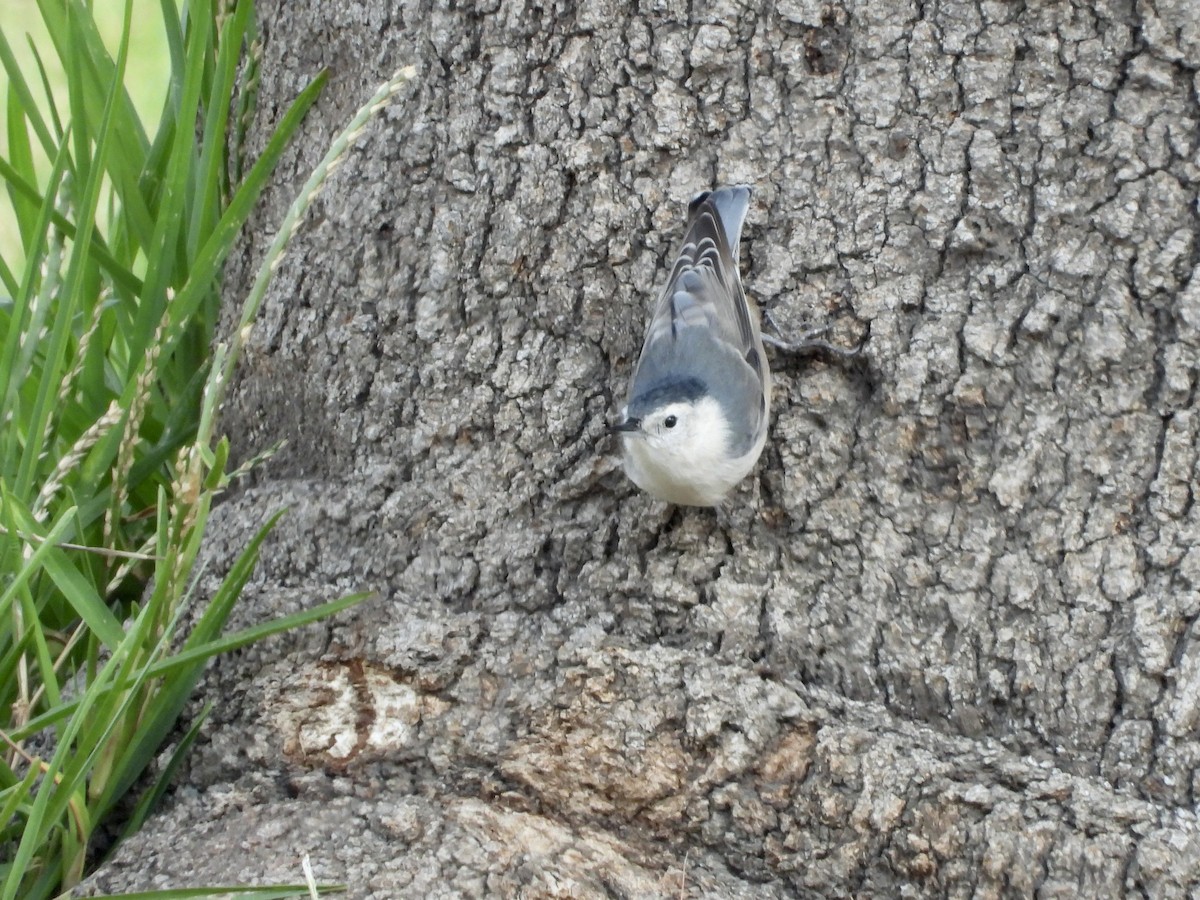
{"x":698,"y":406}
{"x":697,"y":412}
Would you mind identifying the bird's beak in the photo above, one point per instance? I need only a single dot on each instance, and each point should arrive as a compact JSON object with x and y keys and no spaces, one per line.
{"x":630,"y":424}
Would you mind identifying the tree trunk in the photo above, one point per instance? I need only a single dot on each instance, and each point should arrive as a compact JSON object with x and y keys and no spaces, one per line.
{"x":942,"y":642}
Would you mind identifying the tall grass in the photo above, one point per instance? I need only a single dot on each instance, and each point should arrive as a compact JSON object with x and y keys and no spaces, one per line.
{"x":146,"y":75}
{"x":109,"y":389}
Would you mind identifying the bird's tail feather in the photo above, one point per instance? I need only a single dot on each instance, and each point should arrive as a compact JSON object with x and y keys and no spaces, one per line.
{"x":731,"y":205}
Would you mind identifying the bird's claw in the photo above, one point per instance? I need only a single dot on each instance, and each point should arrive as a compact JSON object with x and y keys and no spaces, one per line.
{"x":809,"y":342}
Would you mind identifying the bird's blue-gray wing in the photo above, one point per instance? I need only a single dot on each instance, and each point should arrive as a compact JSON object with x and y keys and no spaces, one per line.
{"x":704,"y":287}
{"x":702,"y":327}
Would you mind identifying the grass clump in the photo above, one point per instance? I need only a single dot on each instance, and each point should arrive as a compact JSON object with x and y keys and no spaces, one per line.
{"x":109,"y":391}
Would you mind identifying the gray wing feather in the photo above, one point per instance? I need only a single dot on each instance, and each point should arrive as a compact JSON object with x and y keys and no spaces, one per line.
{"x":704,"y":287}
{"x":702,"y":326}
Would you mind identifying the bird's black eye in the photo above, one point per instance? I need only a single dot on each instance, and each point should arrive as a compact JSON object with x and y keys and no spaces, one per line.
{"x":670,"y":421}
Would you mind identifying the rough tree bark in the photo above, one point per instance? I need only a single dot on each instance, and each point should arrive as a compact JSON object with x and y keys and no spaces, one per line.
{"x":943,"y":642}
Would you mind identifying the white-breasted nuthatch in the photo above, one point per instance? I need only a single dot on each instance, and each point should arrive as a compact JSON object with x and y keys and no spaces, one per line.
{"x":699,"y":404}
{"x":696,"y":417}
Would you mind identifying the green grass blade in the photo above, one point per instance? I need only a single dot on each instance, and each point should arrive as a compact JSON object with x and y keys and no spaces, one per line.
{"x":173,"y":210}
{"x":155,"y":164}
{"x":58,"y":788}
{"x":257,"y":632}
{"x":41,"y":649}
{"x":79,"y":86}
{"x":48,"y":90}
{"x":121,"y":275}
{"x":211,"y":169}
{"x":16,"y":524}
{"x":99,"y":713}
{"x":174,"y":692}
{"x":247,"y":100}
{"x":204,"y":651}
{"x":73,"y":30}
{"x":23,"y":311}
{"x":78,"y":42}
{"x":75,"y":282}
{"x":213,"y":621}
{"x":173,"y":34}
{"x":207,"y":265}
{"x":21,"y":157}
{"x":149,"y":800}
{"x":83,"y":597}
{"x":16,"y":79}
{"x":10,"y":284}
{"x":18,"y":794}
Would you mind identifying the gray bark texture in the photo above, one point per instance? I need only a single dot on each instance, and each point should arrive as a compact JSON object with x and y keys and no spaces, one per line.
{"x":943,"y":642}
